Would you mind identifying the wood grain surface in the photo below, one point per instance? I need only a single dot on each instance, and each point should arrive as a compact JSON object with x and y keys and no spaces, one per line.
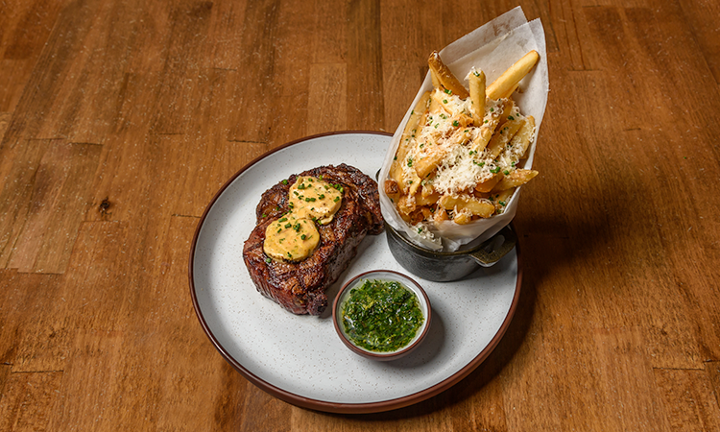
{"x":119,"y":120}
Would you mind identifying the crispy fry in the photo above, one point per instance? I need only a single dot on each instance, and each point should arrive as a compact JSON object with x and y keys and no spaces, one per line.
{"x":434,"y":78}
{"x":411,"y":128}
{"x":461,"y":135}
{"x":391,"y":187}
{"x":488,"y":127}
{"x":501,"y":199}
{"x":408,"y":186}
{"x":511,"y":77}
{"x":436,"y":105}
{"x":481,"y":140}
{"x":440,"y":214}
{"x":510,"y":92}
{"x":502,"y":137}
{"x":514,"y":179}
{"x":427,"y":188}
{"x":467,"y":203}
{"x":439,"y":102}
{"x":413,"y":185}
{"x":507,"y":109}
{"x":522,"y":139}
{"x":417,"y":216}
{"x":432,"y":159}
{"x":488,"y":185}
{"x":427,"y":200}
{"x":445,"y":76}
{"x":477,"y":95}
{"x":406,"y":205}
{"x":395,"y":173}
{"x":461,"y":120}
{"x":412,"y":124}
{"x":462,"y":218}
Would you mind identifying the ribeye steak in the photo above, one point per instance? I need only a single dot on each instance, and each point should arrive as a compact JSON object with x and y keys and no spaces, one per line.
{"x":300,"y":286}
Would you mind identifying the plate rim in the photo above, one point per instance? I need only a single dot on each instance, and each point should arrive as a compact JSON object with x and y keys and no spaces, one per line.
{"x":322,"y":405}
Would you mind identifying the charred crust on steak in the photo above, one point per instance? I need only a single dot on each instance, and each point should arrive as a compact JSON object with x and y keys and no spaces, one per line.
{"x":299,"y":287}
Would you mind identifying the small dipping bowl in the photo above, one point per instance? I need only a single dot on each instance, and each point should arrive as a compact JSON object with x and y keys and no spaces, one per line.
{"x":448,"y":266}
{"x":385,"y":276}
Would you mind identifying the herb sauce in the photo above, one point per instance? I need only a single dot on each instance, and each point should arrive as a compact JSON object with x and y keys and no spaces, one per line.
{"x":381,"y":316}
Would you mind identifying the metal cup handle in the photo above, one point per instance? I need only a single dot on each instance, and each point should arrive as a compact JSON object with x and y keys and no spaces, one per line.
{"x":487,"y":258}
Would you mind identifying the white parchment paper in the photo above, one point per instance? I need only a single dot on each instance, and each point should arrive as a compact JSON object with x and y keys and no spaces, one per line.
{"x":492,"y":48}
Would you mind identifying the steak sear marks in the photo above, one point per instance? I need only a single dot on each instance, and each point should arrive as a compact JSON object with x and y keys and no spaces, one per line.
{"x":300,"y":287}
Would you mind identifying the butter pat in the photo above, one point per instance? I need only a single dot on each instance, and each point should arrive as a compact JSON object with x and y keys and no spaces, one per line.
{"x":315,"y":199}
{"x":294,"y":236}
{"x":291,"y":239}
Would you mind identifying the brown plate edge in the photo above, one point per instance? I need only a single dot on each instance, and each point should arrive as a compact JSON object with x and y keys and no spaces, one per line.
{"x":314,"y":404}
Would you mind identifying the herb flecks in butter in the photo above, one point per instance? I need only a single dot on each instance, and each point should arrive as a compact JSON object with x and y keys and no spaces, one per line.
{"x":291,"y":241}
{"x":295,"y":236}
{"x":316,"y":199}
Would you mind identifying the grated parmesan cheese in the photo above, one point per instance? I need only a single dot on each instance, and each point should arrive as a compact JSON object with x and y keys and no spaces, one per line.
{"x":445,"y":136}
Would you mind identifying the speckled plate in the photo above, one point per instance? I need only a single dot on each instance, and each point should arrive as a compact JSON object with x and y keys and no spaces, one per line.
{"x":300,"y":359}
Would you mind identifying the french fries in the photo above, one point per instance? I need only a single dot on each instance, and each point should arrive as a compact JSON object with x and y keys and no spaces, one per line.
{"x":461,"y":152}
{"x":445,"y":77}
{"x":476,"y":79}
{"x":508,"y":81}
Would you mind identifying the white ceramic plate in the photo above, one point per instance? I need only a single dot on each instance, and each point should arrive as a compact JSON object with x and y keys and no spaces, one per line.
{"x":300,"y":359}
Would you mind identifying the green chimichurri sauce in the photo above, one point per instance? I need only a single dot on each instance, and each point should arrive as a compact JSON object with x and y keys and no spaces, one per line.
{"x":381,"y":316}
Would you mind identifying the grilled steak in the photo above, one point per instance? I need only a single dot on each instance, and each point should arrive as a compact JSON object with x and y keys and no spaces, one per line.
{"x":300,"y":286}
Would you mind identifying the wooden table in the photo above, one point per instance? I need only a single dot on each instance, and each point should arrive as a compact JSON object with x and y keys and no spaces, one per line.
{"x":120,"y":119}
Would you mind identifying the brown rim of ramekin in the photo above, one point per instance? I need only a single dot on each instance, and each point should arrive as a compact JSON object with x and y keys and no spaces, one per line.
{"x":319,"y":405}
{"x":395,"y":354}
